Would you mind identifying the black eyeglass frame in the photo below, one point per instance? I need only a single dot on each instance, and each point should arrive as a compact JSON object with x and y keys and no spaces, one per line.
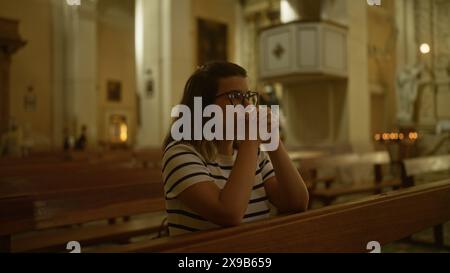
{"x":245,"y":95}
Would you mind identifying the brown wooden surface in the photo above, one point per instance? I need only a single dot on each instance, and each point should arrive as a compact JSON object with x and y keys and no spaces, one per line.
{"x":32,"y":184}
{"x":54,"y":210}
{"x":345,"y":160}
{"x":57,"y":190}
{"x":342,"y":228}
{"x":309,"y":168}
{"x":425,"y":165}
{"x":364,"y":188}
{"x":335,"y":161}
{"x":56,"y":240}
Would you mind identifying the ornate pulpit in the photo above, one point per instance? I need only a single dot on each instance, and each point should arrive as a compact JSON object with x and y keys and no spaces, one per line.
{"x":10,"y":42}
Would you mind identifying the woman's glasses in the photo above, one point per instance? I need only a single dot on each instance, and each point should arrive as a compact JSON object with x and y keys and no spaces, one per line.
{"x":239,"y":97}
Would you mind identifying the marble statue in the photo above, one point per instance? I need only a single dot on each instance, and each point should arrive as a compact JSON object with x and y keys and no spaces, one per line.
{"x":407,"y":90}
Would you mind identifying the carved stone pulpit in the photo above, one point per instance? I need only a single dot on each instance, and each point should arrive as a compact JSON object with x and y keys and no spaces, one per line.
{"x":10,"y":42}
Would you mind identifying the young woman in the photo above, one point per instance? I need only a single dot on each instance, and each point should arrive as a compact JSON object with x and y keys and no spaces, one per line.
{"x":211,"y":184}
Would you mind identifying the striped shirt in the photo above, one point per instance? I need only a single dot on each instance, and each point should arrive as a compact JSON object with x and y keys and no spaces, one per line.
{"x":184,"y":167}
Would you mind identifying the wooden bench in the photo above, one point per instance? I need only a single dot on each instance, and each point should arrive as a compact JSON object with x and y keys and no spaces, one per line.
{"x":148,"y":157}
{"x":70,"y":156}
{"x":52,"y":193}
{"x":31,"y":184}
{"x":56,"y":240}
{"x":309,"y":169}
{"x":348,"y":227}
{"x":61,"y":209}
{"x":422,"y":166}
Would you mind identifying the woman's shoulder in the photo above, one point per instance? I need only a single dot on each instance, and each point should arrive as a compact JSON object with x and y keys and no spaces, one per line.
{"x":180,"y":148}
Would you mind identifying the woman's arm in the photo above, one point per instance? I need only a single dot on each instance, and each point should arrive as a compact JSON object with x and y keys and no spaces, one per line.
{"x":227,"y":206}
{"x":287,"y":190}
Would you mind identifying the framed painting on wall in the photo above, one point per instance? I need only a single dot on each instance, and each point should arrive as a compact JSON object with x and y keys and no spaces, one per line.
{"x":114,"y":91}
{"x":212,"y":43}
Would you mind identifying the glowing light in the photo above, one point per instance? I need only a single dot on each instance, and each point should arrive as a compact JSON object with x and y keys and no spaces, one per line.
{"x":123,"y":132}
{"x":425,"y":48}
{"x":413,"y":136}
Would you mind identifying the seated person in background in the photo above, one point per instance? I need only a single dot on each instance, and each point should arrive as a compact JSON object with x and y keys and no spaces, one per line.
{"x":66,"y":140}
{"x":11,"y":142}
{"x":211,"y":184}
{"x":81,"y":142}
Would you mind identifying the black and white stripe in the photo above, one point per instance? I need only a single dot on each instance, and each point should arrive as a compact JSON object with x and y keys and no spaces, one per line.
{"x":183,"y":167}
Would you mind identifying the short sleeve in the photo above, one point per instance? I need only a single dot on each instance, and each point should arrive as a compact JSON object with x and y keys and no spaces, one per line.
{"x":183,"y":167}
{"x":266,"y":167}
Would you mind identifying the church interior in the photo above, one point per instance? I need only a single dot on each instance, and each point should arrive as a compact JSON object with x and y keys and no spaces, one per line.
{"x":87,"y":88}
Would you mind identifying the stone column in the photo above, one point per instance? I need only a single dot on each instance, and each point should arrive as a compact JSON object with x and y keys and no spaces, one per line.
{"x":358,"y":97}
{"x":10,"y":42}
{"x":164,"y":46}
{"x":75,"y":69}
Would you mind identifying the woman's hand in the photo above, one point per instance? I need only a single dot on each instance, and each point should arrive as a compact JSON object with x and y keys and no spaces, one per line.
{"x":253,"y":130}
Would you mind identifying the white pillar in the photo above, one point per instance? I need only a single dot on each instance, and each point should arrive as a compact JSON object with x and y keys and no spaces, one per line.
{"x":358,"y":84}
{"x":148,"y":69}
{"x":164,"y":50}
{"x":406,"y":41}
{"x":75,"y":74}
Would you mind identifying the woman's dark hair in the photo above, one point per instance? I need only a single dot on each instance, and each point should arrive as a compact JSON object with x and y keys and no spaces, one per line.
{"x":204,"y":83}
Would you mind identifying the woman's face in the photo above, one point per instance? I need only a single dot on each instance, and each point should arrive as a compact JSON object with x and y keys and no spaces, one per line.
{"x":226,"y":85}
{"x":230,"y":84}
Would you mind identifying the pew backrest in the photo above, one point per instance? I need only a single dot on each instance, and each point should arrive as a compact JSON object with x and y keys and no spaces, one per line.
{"x":352,"y":162}
{"x":349,"y":227}
{"x":25,"y":213}
{"x":423,"y":165}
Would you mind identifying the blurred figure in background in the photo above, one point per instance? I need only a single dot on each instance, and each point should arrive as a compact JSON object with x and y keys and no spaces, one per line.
{"x":66,"y":140}
{"x":80,"y":144}
{"x":11,"y":141}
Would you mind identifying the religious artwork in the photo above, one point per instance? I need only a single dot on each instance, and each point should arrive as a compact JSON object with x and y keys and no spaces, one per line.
{"x":149,"y":88}
{"x":212,"y":41}
{"x":407,"y":90}
{"x":114,"y":91}
{"x":149,"y":84}
{"x":30,"y":100}
{"x":431,"y":26}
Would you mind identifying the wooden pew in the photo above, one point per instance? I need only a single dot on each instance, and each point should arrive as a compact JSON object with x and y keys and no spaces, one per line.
{"x":56,"y":240}
{"x":148,"y":157}
{"x":422,"y":166}
{"x":69,"y":156}
{"x":348,"y":227}
{"x":54,"y":193}
{"x":31,"y":184}
{"x":310,"y":167}
{"x":61,"y":209}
